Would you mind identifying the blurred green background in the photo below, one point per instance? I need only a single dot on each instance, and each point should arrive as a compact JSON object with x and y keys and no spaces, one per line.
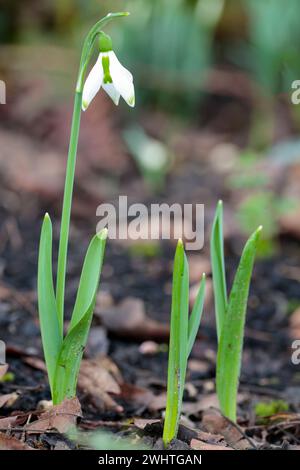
{"x":172,"y":44}
{"x":203,"y":69}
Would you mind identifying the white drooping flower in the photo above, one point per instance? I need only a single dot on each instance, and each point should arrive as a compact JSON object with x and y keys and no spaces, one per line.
{"x":109,"y":74}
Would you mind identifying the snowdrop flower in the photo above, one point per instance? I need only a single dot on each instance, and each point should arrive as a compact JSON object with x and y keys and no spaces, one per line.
{"x":109,"y":73}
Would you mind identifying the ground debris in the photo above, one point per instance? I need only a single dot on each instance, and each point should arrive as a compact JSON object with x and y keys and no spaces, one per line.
{"x":11,"y":443}
{"x":62,"y":417}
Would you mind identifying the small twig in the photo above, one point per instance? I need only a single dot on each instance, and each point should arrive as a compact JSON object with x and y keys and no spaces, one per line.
{"x":292,"y":436}
{"x":238,"y":428}
{"x":24,"y":428}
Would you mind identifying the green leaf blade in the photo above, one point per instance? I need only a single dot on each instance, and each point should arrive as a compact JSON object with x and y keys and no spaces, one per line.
{"x":178,"y":344}
{"x":51,"y":337}
{"x":232,"y":335}
{"x":89,"y":278}
{"x":196,"y":315}
{"x":69,"y":360}
{"x":218,"y":268}
{"x":71,"y":352}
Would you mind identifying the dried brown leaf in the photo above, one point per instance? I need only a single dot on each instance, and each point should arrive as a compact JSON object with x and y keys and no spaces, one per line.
{"x":233,"y":435}
{"x":61,"y":417}
{"x":129,"y":319}
{"x":8,"y":399}
{"x":141,"y":423}
{"x":11,"y":443}
{"x":99,"y":379}
{"x":8,"y":422}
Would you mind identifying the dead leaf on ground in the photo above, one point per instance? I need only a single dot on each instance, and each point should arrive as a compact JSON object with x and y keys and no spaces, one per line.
{"x":158,"y":402}
{"x":11,"y":443}
{"x":99,"y":379}
{"x":16,"y":419}
{"x":35,"y":363}
{"x":8,"y":422}
{"x":141,"y":423}
{"x":201,"y":445}
{"x":129,"y":319}
{"x":209,"y":437}
{"x":139,"y":396}
{"x":39,"y":170}
{"x":19,"y":299}
{"x":8,"y":399}
{"x":205,"y":403}
{"x":61,"y":417}
{"x":217,"y":424}
{"x":193,"y":408}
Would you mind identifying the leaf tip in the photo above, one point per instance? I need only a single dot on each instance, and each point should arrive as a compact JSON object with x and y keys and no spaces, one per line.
{"x":121,"y":13}
{"x":180,"y":243}
{"x":103,"y":234}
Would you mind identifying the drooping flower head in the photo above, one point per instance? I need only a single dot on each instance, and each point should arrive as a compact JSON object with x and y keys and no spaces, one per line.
{"x":109,"y":73}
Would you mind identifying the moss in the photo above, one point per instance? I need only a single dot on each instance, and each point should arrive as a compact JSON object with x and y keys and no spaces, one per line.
{"x":263,"y":410}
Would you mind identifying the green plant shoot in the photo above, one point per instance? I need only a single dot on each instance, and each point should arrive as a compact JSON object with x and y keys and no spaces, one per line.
{"x":230,"y":314}
{"x":218,"y":268}
{"x":63,"y":353}
{"x":183,"y":333}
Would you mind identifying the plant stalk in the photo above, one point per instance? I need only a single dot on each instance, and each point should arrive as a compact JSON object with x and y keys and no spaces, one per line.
{"x":66,"y":210}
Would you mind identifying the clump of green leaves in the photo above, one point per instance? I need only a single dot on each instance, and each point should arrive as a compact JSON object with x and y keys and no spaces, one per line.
{"x":230,"y":313}
{"x":230,"y":322}
{"x":183,"y":333}
{"x":63,"y":354}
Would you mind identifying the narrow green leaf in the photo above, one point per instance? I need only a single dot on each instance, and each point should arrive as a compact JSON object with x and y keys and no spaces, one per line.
{"x":196,"y":315}
{"x":51,"y":337}
{"x":218,"y":268}
{"x":178,"y":344}
{"x":89,"y":279}
{"x":70,"y":356}
{"x":183,"y":327}
{"x":69,"y":360}
{"x":232,"y":335}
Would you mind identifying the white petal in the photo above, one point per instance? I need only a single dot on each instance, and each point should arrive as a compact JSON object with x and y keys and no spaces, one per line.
{"x":122,"y":79}
{"x":93,"y":83}
{"x":112,"y":92}
{"x":115,"y":64}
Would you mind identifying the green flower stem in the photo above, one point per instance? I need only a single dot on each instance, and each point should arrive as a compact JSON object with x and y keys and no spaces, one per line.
{"x":71,"y":163}
{"x":66,"y":210}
